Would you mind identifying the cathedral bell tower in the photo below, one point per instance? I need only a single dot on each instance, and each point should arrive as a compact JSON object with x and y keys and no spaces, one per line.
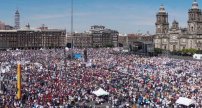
{"x":194,"y":21}
{"x":162,"y":25}
{"x":175,"y":25}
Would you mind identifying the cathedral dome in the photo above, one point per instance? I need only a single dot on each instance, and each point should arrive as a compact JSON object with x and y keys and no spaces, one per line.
{"x":195,"y":5}
{"x":175,"y":22}
{"x":162,"y":9}
{"x":175,"y":25}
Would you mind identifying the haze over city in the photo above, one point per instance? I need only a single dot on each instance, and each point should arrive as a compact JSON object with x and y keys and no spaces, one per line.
{"x":126,"y":16}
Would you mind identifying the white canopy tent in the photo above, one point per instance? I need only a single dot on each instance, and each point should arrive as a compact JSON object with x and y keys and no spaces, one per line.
{"x":116,"y":49}
{"x":100,"y":92}
{"x":197,"y":56}
{"x":185,"y":101}
{"x":125,"y":50}
{"x":88,"y":64}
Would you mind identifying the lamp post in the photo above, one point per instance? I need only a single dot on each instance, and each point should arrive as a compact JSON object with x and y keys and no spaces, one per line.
{"x":65,"y":61}
{"x":1,"y":81}
{"x":72,"y":28}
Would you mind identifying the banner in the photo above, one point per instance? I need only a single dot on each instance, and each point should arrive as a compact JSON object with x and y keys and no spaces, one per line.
{"x":19,"y":82}
{"x":77,"y":56}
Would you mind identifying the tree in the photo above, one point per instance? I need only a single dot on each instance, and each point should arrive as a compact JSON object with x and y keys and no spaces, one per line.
{"x":158,"y":50}
{"x":109,"y":45}
{"x":199,"y":51}
{"x":190,"y":51}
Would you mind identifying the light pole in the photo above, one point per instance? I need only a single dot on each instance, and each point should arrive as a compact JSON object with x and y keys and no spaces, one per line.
{"x":1,"y":81}
{"x":72,"y":27}
{"x":72,"y":40}
{"x":65,"y":62}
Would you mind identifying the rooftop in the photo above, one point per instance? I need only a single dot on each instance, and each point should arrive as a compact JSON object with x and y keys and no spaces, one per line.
{"x":31,"y":30}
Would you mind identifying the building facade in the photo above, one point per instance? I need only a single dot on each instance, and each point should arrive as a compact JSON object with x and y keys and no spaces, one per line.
{"x":98,"y":36}
{"x":175,"y":38}
{"x":5,"y":27}
{"x":8,"y":27}
{"x":123,"y":40}
{"x":32,"y":39}
{"x":79,"y":40}
{"x":103,"y":37}
{"x":82,"y":40}
{"x":130,"y":39}
{"x":140,"y":43}
{"x":2,"y":26}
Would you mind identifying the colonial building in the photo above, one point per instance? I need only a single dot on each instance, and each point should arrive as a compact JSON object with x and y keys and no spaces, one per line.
{"x":98,"y":36}
{"x":32,"y":39}
{"x":140,"y":43}
{"x":131,"y":39}
{"x":175,"y":38}
{"x":102,"y":37}
{"x":123,"y":40}
{"x":82,"y":40}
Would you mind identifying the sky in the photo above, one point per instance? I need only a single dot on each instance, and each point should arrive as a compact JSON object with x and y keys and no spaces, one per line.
{"x":126,"y":16}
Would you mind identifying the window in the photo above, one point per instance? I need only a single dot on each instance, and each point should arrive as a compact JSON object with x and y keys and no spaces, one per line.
{"x":164,"y":40}
{"x":174,"y":47}
{"x":165,"y":47}
{"x":165,"y":30}
{"x":192,"y":28}
{"x":174,"y":37}
{"x":183,"y":40}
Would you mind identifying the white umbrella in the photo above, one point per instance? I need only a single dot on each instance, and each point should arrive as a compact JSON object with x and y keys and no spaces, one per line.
{"x":185,"y":101}
{"x":100,"y":92}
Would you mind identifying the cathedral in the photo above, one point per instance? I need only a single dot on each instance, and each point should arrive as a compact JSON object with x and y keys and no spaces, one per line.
{"x":175,"y":38}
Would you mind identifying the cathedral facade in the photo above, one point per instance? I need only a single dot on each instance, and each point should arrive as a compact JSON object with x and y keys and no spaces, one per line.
{"x":174,"y":38}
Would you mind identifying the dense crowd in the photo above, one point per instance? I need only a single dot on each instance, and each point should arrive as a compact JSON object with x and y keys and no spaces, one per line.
{"x":48,"y":80}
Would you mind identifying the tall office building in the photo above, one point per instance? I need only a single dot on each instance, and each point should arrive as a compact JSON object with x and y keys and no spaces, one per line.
{"x":17,"y":20}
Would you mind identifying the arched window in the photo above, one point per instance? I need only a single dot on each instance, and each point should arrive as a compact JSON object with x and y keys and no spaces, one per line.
{"x":192,"y":28}
{"x":164,"y":30}
{"x":174,"y":47}
{"x":165,"y":47}
{"x":192,"y":16}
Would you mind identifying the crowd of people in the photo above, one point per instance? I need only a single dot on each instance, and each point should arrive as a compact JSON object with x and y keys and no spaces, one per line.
{"x":50,"y":79}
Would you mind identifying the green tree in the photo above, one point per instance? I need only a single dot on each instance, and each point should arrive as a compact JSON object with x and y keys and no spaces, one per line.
{"x":199,"y":51}
{"x":109,"y":45}
{"x":189,"y":51}
{"x":158,"y":50}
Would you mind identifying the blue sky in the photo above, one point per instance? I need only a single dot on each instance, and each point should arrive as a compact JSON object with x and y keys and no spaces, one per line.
{"x":126,"y":16}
